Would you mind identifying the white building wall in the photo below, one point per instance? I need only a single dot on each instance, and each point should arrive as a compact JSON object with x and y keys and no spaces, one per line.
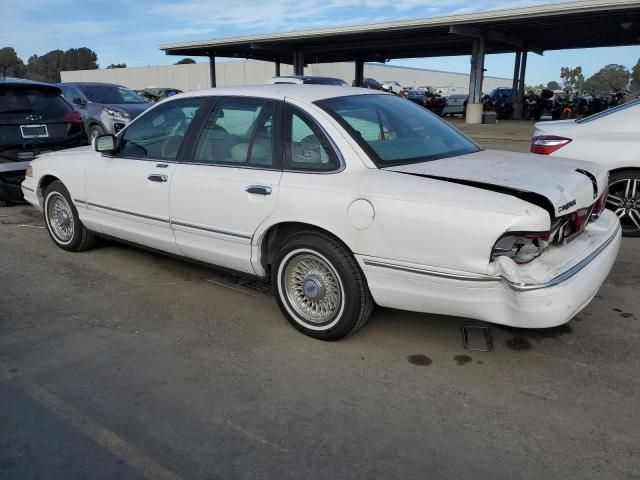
{"x":247,"y":72}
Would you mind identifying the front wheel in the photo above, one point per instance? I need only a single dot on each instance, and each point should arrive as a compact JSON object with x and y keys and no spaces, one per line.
{"x":63,"y":222}
{"x":624,"y":200}
{"x":320,"y":288}
{"x":94,"y":132}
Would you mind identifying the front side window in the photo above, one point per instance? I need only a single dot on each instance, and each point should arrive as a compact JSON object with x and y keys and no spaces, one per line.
{"x":393,"y":131}
{"x":159,"y":133}
{"x":238,"y":131}
{"x":70,"y":93}
{"x":306,"y":147}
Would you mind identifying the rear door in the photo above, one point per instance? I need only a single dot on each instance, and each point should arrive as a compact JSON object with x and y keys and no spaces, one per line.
{"x":128,"y":193}
{"x":230,"y":187}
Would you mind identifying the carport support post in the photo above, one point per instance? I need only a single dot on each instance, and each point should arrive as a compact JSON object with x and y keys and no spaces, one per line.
{"x":474,"y":106}
{"x":298,"y":62}
{"x":359,"y":78}
{"x":514,"y":84}
{"x":277,"y":68}
{"x":212,"y":70}
{"x":517,"y":106}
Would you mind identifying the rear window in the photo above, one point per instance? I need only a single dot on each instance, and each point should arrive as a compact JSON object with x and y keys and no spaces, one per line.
{"x":28,"y":104}
{"x":394,"y":131}
{"x":606,"y":113}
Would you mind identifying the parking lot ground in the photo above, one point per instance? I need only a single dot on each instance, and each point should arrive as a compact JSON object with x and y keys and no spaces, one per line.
{"x":120,"y":363}
{"x":512,"y":135}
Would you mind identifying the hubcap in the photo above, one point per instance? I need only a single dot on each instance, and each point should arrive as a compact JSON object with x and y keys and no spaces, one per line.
{"x":60,"y":217}
{"x":624,"y":200}
{"x":312,"y":288}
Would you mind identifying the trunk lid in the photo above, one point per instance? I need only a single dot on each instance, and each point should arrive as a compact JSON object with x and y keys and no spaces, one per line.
{"x":568,"y":185}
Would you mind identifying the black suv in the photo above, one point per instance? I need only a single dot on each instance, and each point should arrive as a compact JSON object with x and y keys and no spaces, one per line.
{"x":34,"y":118}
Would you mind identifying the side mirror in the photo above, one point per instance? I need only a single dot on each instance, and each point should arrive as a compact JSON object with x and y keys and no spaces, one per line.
{"x":105,"y":143}
{"x":79,"y":101}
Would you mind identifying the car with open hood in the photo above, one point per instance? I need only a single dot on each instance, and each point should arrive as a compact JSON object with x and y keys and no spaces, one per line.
{"x":341,"y":199}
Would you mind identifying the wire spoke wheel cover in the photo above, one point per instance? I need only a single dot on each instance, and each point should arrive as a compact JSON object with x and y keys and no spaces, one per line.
{"x":60,"y":218}
{"x":313,"y":289}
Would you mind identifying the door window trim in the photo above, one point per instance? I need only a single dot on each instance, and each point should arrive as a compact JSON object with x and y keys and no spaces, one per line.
{"x":276,"y":136}
{"x":318,"y":130}
{"x":194,"y":126}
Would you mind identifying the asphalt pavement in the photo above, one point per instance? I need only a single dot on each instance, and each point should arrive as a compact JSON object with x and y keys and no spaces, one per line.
{"x":118,"y":363}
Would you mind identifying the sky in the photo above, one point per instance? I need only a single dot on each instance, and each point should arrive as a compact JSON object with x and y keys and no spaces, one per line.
{"x":130,"y":31}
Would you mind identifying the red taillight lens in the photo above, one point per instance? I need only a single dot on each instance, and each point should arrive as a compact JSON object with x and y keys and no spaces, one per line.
{"x":547,"y":144}
{"x":72,"y":116}
{"x":600,"y":204}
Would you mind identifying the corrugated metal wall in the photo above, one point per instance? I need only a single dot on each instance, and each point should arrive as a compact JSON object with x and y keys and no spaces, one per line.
{"x":251,"y":72}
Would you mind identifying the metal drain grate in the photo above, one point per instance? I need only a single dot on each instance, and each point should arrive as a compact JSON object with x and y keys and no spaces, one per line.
{"x":251,"y":287}
{"x":476,"y":338}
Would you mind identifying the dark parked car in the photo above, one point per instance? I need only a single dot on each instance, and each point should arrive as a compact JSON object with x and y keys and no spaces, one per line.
{"x":371,"y":83}
{"x":105,"y":107}
{"x":34,"y":118}
{"x":154,"y":94}
{"x":417,"y":96}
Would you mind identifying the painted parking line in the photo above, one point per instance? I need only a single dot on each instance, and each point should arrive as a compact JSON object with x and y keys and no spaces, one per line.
{"x":102,"y":436}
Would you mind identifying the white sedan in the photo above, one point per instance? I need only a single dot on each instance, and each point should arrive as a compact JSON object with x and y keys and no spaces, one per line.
{"x":610,"y":138}
{"x":340,"y":197}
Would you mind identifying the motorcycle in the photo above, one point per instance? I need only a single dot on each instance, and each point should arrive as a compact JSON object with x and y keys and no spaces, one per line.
{"x":504,"y":108}
{"x":435,"y":103}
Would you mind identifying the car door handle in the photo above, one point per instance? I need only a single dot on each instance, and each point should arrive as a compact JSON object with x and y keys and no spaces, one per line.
{"x":154,"y":177}
{"x":259,"y":189}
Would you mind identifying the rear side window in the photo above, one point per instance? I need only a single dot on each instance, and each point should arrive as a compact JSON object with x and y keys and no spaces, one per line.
{"x":306,"y":146}
{"x":31,"y":104}
{"x":238,"y":131}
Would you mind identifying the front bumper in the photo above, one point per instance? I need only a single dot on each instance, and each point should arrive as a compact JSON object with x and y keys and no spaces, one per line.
{"x":496,"y":299}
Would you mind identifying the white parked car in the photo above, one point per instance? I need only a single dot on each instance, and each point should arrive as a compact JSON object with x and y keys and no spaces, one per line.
{"x":340,"y":198}
{"x":392,"y":86}
{"x":610,"y":138}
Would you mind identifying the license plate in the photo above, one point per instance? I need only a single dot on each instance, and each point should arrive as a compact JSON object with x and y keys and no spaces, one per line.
{"x":34,"y":131}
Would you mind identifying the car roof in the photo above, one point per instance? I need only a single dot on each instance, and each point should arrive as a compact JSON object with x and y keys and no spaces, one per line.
{"x":8,"y":81}
{"x":304,"y":93}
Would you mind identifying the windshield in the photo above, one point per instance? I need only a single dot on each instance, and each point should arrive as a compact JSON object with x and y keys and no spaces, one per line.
{"x":111,"y":94}
{"x":394,"y":131}
{"x":608,"y":112}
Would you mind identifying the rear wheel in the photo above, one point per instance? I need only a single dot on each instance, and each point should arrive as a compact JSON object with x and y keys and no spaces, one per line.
{"x":624,"y":200}
{"x":320,"y":288}
{"x":63,"y":222}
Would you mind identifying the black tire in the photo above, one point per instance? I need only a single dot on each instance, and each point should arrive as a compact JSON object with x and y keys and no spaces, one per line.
{"x":355,"y":305}
{"x":79,"y":237}
{"x":620,"y":199}
{"x":95,"y":131}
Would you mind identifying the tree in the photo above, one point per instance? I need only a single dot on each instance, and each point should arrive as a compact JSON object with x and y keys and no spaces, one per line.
{"x":117,"y":65}
{"x":635,"y":77}
{"x":553,"y":85}
{"x":610,"y":77}
{"x":10,"y":64}
{"x":572,"y":78}
{"x":185,"y":61}
{"x":47,"y":67}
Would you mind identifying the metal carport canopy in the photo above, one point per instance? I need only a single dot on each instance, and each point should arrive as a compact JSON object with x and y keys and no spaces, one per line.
{"x":582,"y":24}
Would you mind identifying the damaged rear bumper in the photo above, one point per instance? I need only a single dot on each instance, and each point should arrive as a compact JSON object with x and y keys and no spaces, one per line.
{"x":565,"y":289}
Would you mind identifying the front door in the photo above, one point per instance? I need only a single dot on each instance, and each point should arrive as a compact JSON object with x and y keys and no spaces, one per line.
{"x":127,"y":194}
{"x":231,"y":185}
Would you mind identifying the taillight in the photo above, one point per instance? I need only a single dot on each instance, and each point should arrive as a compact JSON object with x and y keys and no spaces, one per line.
{"x":547,"y":144}
{"x":521,"y":247}
{"x":600,"y":204}
{"x":72,"y":116}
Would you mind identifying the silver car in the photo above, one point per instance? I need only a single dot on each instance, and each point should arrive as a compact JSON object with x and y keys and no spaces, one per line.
{"x":105,"y":107}
{"x":455,"y":104}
